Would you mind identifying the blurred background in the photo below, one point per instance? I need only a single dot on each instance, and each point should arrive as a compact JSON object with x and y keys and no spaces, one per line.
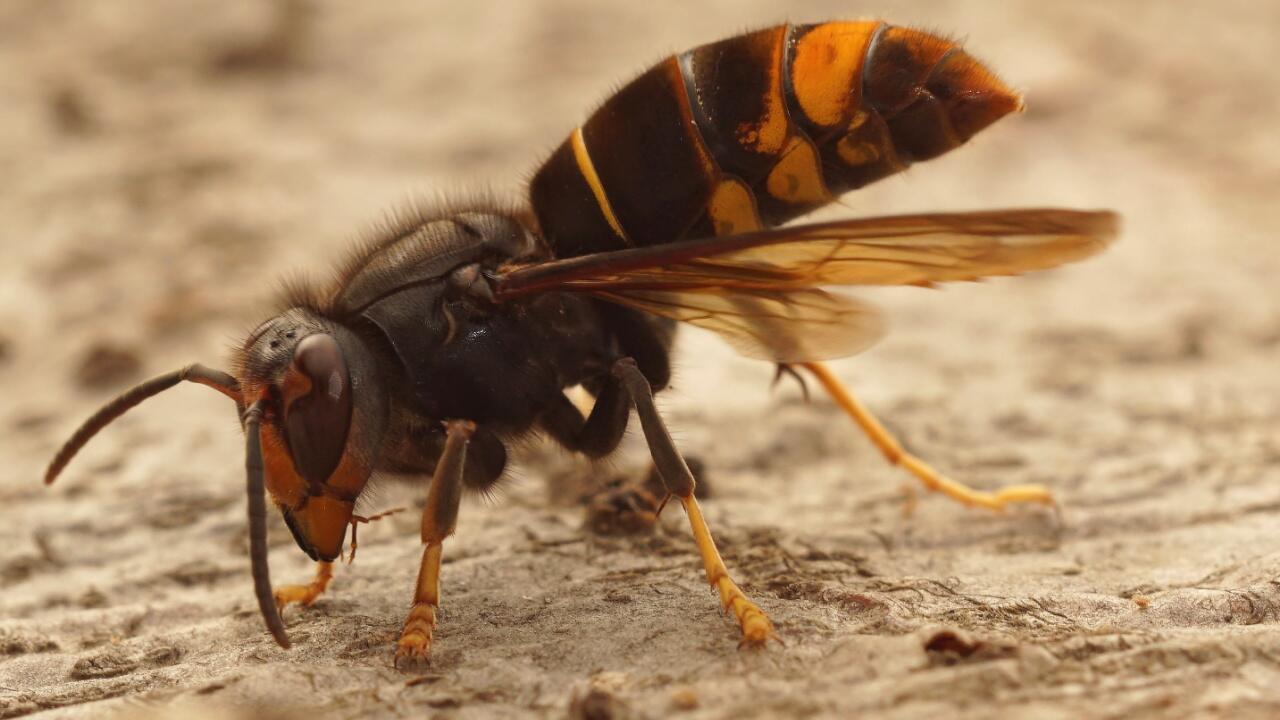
{"x":163,"y":165}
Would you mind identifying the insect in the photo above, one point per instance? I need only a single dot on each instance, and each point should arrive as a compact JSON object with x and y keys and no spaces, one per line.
{"x":460,"y":330}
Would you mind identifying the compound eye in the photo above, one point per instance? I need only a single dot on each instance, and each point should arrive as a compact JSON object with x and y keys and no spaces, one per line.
{"x":317,"y":406}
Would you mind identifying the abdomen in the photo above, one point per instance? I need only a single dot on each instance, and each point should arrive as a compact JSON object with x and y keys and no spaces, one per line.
{"x":754,"y":130}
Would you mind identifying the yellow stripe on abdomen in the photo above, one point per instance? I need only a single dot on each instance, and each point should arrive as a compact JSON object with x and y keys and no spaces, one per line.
{"x":588,"y":171}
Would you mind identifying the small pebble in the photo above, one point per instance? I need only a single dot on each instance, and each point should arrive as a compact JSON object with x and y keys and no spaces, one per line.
{"x":684,"y":698}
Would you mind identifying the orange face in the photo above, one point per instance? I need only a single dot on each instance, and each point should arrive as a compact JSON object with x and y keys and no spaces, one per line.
{"x":317,"y":516}
{"x":313,"y":468}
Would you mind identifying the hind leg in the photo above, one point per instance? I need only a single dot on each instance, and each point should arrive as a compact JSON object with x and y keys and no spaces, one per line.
{"x":895,"y":454}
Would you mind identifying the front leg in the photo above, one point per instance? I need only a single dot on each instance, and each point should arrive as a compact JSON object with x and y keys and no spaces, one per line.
{"x":599,"y":433}
{"x":439,"y":518}
{"x":304,"y":595}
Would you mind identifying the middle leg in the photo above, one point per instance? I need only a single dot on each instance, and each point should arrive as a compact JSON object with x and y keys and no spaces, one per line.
{"x":439,"y":518}
{"x":755,"y":625}
{"x":304,"y":595}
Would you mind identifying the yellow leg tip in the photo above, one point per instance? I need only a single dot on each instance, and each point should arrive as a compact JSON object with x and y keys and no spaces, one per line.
{"x":757,"y":631}
{"x":304,"y":595}
{"x":756,"y":627}
{"x":1026,"y":494}
{"x":996,"y":501}
{"x":287,"y":595}
{"x":413,"y":651}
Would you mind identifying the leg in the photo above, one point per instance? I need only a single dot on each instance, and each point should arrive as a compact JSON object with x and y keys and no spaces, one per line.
{"x":417,"y":448}
{"x":439,"y":518}
{"x":358,"y":520}
{"x":931,"y":478}
{"x":600,"y":432}
{"x":304,"y":595}
{"x":646,"y":339}
{"x":755,"y":625}
{"x":616,"y":507}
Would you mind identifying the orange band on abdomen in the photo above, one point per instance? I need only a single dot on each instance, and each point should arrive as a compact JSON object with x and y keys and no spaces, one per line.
{"x":826,"y":69}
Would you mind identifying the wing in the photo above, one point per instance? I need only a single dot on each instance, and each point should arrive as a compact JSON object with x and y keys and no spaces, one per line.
{"x":759,"y":290}
{"x":783,"y":326}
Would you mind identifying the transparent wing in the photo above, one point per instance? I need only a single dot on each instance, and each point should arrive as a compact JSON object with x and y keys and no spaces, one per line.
{"x":781,"y":326}
{"x":759,"y":290}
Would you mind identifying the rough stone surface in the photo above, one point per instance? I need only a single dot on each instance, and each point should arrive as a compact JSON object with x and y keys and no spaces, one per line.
{"x":165,"y":164}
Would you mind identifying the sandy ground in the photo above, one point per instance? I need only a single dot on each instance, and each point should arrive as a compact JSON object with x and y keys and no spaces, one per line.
{"x":162,"y":164}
